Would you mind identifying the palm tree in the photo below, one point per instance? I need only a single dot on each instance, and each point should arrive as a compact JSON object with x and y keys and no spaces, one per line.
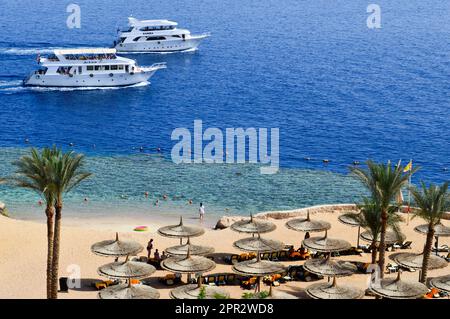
{"x":66,"y":173}
{"x":384,"y":182}
{"x":369,"y":218}
{"x":432,"y":202}
{"x":32,"y":173}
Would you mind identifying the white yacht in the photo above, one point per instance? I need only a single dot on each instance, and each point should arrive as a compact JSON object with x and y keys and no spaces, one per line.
{"x":156,"y":36}
{"x":89,"y":68}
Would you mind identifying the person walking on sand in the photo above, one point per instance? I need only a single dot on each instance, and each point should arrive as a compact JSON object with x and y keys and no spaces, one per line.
{"x":149,"y":248}
{"x":201,"y":211}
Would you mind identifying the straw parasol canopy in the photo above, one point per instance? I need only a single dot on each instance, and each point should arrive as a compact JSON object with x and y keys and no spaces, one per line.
{"x":348,"y":220}
{"x":193,"y":291}
{"x":253,"y":226}
{"x":279,"y":294}
{"x":181,"y":231}
{"x":333,"y":291}
{"x":258,"y":244}
{"x":126,"y":270}
{"x":308,"y":225}
{"x":411,"y":260}
{"x":116,"y":248}
{"x":396,"y":288}
{"x":125,"y":291}
{"x":352,"y":222}
{"x":329,"y":268}
{"x":440,"y":230}
{"x":258,"y":267}
{"x":391,"y":237}
{"x":441,"y":283}
{"x":325,"y":244}
{"x":188,"y":264}
{"x":196,"y":250}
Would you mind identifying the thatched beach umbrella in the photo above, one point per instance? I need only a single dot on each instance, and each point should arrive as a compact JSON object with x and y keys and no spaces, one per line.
{"x":329,"y":268}
{"x":188,"y":264}
{"x":396,"y":288}
{"x":128,"y":291}
{"x":126,"y":270}
{"x":441,"y":283}
{"x":258,"y":268}
{"x":181,"y":231}
{"x":196,"y":250}
{"x":325,"y":244}
{"x":279,"y":294}
{"x":193,"y":291}
{"x":415,"y":261}
{"x":116,"y":248}
{"x":391,"y":237}
{"x":253,"y":226}
{"x":348,"y":219}
{"x":308,"y":225}
{"x":258,"y":244}
{"x":333,"y":291}
{"x":440,"y":230}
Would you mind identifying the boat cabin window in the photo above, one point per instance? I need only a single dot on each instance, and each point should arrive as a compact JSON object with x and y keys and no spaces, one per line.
{"x":85,"y":57}
{"x":64,"y":70}
{"x":41,"y":71}
{"x":104,"y":68}
{"x":155,"y":38}
{"x":157,"y":28}
{"x":53,"y":58}
{"x":136,"y":39}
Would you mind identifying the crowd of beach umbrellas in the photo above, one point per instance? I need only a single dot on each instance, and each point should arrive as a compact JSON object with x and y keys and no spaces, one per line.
{"x":190,"y":259}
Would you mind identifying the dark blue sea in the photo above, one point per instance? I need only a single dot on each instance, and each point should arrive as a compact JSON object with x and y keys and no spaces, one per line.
{"x":336,"y":89}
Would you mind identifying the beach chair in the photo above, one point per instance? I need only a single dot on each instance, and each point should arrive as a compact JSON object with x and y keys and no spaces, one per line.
{"x":406,"y":245}
{"x":274,"y":256}
{"x":251,"y":256}
{"x":211,"y":280}
{"x":221,"y":280}
{"x":391,"y":268}
{"x":249,"y":283}
{"x":283,"y":255}
{"x":243,"y":257}
{"x":441,"y":249}
{"x":230,"y":279}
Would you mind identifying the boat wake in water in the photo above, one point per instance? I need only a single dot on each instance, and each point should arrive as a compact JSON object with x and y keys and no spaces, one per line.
{"x":11,"y":87}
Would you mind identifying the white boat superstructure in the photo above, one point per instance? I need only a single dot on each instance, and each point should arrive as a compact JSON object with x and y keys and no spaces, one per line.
{"x":89,"y":68}
{"x":156,"y":36}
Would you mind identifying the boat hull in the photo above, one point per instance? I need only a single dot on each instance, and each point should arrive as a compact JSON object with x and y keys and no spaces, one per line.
{"x":172,"y":45}
{"x":87,"y":80}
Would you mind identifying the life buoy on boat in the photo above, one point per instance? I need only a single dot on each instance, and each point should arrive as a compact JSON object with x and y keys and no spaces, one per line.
{"x":111,"y":74}
{"x":91,"y":75}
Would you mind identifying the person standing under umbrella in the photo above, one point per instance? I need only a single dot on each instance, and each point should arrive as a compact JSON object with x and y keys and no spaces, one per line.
{"x":149,"y":248}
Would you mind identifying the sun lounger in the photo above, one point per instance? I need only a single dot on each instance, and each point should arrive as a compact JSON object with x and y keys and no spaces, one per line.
{"x":221,"y":280}
{"x":230,"y":279}
{"x":283,"y":255}
{"x":274,"y":256}
{"x":441,"y":249}
{"x":392,"y":268}
{"x":265,"y":256}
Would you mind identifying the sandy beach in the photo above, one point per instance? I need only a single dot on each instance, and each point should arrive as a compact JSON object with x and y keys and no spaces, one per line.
{"x":23,"y":251}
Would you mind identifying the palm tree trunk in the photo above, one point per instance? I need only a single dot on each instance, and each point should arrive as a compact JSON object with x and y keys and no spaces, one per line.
{"x":50,"y":234}
{"x":426,"y":253}
{"x":374,"y":252}
{"x":382,"y":246}
{"x":56,"y":245}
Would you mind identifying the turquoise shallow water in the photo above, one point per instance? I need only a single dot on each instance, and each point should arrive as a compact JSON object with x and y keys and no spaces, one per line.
{"x":120,"y":182}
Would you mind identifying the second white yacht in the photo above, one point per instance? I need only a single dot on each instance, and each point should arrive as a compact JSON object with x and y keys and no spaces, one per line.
{"x":156,"y":36}
{"x":89,"y":68}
